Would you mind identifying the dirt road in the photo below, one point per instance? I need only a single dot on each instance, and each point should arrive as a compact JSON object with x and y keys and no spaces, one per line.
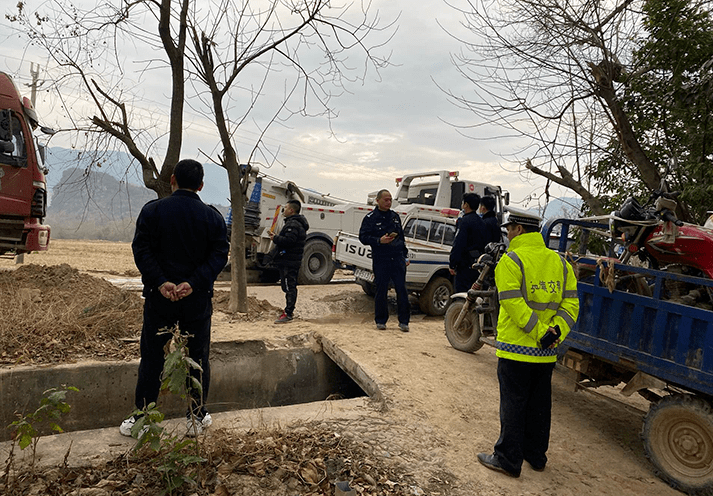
{"x":441,"y":405}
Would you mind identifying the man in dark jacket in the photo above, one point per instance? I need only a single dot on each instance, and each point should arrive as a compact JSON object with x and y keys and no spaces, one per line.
{"x":381,"y":229}
{"x":179,"y":247}
{"x":487,"y":212}
{"x":469,"y":243}
{"x":290,"y":245}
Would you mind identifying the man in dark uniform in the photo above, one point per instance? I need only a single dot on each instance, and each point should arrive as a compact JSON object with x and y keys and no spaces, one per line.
{"x":469,"y":243}
{"x":290,"y":245}
{"x":381,"y":229}
{"x":180,"y":247}
{"x":487,"y":212}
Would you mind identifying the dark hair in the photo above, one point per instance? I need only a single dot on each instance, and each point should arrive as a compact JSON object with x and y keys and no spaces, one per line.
{"x":488,"y":202}
{"x":530,"y":229}
{"x":472,"y":199}
{"x":296,"y":206}
{"x":188,"y":174}
{"x":381,"y":193}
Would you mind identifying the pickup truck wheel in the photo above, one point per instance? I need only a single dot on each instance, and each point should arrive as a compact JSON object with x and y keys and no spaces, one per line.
{"x":467,"y":336}
{"x":368,"y":287}
{"x":678,"y":440}
{"x":436,"y":296}
{"x":317,"y":266}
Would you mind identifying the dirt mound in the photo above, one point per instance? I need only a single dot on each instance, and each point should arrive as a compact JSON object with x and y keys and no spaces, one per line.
{"x":257,"y":309}
{"x":55,"y":314}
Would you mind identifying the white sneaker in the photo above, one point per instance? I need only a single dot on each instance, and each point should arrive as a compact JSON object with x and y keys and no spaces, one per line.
{"x":127,"y":425}
{"x":197,"y":427}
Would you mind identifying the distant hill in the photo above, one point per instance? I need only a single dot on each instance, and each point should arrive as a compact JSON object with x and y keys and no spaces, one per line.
{"x":119,"y":165}
{"x":104,"y":203}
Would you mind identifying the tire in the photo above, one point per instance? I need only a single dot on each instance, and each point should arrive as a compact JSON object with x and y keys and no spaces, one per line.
{"x":467,"y":337}
{"x":368,"y":287}
{"x":317,"y":266}
{"x":436,"y":296}
{"x":678,"y":440}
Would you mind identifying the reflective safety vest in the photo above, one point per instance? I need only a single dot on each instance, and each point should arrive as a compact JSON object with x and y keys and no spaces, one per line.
{"x":537,"y":290}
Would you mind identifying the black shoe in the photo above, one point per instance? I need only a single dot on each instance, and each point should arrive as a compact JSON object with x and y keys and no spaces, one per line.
{"x":492,"y":463}
{"x":536,"y":468}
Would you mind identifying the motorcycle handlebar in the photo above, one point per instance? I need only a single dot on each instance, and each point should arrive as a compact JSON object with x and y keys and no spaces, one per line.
{"x":667,"y":215}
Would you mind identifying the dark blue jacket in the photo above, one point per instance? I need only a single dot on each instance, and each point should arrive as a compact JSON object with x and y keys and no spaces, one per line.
{"x":291,"y":241}
{"x":471,"y":235}
{"x":493,"y":227}
{"x":374,"y":226}
{"x":180,"y":239}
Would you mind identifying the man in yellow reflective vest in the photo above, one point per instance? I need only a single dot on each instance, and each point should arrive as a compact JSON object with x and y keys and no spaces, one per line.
{"x":538,"y":296}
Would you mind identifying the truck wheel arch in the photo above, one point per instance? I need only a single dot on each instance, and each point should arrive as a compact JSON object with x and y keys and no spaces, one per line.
{"x":317,"y":266}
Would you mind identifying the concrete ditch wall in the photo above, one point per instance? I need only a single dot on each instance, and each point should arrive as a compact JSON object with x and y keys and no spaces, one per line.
{"x":243,"y":375}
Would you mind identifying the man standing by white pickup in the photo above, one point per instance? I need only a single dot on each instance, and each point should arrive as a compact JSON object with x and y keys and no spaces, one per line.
{"x":381,"y":229}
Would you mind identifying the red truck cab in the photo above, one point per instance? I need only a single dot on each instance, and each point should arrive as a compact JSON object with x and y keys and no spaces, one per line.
{"x":23,"y":188}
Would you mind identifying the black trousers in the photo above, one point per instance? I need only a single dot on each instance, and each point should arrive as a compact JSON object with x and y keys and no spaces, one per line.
{"x":288,"y":281}
{"x":192,"y":314}
{"x":390,"y":269}
{"x":525,"y":413}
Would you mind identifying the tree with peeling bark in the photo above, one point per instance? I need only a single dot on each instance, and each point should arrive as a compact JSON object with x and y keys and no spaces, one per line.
{"x":570,"y":77}
{"x":309,"y":42}
{"x":86,"y":45}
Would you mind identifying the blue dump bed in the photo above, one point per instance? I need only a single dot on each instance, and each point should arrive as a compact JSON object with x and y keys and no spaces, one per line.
{"x":668,"y":340}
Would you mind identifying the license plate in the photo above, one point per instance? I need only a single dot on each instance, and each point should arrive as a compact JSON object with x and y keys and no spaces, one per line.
{"x":363,"y":274}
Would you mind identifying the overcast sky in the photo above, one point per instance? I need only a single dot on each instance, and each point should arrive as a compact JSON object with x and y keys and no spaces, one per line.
{"x":385,"y":128}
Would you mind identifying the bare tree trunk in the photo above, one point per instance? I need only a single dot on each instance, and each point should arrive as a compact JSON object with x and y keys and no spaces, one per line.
{"x":604,"y":75}
{"x":238,"y":272}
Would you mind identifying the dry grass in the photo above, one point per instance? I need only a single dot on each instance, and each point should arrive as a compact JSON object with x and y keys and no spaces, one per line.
{"x":305,"y":459}
{"x":52,"y":314}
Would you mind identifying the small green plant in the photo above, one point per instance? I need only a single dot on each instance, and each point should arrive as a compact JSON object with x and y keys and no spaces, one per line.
{"x":26,"y":427}
{"x":52,"y":407}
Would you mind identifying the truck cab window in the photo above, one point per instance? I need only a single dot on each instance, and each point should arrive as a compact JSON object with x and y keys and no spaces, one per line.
{"x":436,"y":234}
{"x":422,"y":227}
{"x":12,"y":141}
{"x":449,"y":234}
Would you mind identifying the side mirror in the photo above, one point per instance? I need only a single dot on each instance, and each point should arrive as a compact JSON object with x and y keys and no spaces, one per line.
{"x":506,"y":198}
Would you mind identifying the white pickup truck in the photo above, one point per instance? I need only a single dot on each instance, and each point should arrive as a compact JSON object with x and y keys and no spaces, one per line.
{"x":429,"y":236}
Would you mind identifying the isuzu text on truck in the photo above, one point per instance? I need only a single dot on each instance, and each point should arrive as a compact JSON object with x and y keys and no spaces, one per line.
{"x":23,"y":189}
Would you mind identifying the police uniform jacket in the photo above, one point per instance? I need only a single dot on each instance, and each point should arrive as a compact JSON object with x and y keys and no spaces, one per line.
{"x":471,"y":236}
{"x":537,"y":290}
{"x":493,"y":227}
{"x":378,"y":223}
{"x":180,"y":239}
{"x":291,"y":240}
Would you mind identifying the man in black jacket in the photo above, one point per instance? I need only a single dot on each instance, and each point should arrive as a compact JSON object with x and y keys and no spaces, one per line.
{"x":290,"y":245}
{"x":469,"y":243}
{"x":180,"y":247}
{"x":487,"y":211}
{"x":381,"y":229}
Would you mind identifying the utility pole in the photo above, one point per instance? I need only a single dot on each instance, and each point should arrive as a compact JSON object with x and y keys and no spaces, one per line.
{"x":35,"y":73}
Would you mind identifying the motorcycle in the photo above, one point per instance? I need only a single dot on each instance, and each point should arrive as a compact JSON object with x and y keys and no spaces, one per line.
{"x":653,"y":234}
{"x":474,"y":314}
